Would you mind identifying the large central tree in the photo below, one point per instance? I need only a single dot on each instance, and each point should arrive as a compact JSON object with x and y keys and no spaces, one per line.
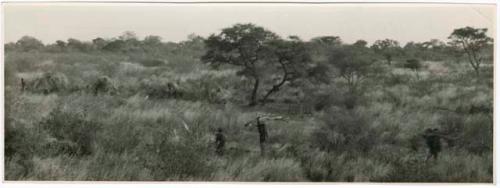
{"x":261,"y":56}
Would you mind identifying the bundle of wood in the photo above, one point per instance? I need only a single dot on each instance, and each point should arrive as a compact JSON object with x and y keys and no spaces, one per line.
{"x":265,"y":117}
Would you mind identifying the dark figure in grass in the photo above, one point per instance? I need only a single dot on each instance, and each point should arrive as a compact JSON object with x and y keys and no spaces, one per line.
{"x":263,"y":136}
{"x":261,"y":126}
{"x":23,"y":84}
{"x":220,"y":141}
{"x":433,"y":141}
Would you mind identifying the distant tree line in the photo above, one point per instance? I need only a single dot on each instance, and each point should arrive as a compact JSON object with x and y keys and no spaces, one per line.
{"x":463,"y":41}
{"x":271,"y":62}
{"x":125,"y":43}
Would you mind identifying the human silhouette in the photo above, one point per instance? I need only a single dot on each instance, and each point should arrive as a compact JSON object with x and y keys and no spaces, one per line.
{"x":433,"y":141}
{"x":23,"y":85}
{"x":220,"y":141}
{"x":261,"y":127}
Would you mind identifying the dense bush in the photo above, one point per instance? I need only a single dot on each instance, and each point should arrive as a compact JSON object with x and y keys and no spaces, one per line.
{"x":280,"y":170}
{"x":73,"y":132}
{"x":103,"y":84}
{"x":344,"y":131}
{"x":48,"y":83}
{"x":191,"y":161}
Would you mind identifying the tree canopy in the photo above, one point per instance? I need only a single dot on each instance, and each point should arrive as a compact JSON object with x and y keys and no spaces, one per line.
{"x":387,"y":48}
{"x":262,"y":56}
{"x":471,"y":41}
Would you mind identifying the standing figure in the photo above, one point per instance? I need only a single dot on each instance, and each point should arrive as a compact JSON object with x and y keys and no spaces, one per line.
{"x":433,"y":141}
{"x":261,"y":126}
{"x":23,"y":85}
{"x":220,"y":141}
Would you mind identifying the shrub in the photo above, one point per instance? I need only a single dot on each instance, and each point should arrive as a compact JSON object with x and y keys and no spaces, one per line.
{"x":281,"y":170}
{"x":16,"y":141}
{"x":322,"y":166}
{"x":48,"y":83}
{"x":104,"y":166}
{"x":103,"y":84}
{"x":413,"y":64}
{"x":396,"y":79}
{"x":19,"y":148}
{"x":121,"y":134}
{"x":478,"y":134}
{"x":71,"y":129}
{"x":160,"y":88}
{"x":17,"y":168}
{"x":450,"y":167}
{"x":169,"y":160}
{"x":344,"y":130}
{"x":410,"y":169}
{"x":151,"y":62}
{"x":179,"y":154}
{"x":364,"y":169}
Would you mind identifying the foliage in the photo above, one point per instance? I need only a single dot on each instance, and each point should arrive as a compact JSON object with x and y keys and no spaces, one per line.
{"x":344,"y":130}
{"x":387,"y":48}
{"x":73,"y":129}
{"x":48,"y":83}
{"x":413,"y":64}
{"x":259,"y":53}
{"x":27,"y":43}
{"x":353,"y":64}
{"x":103,"y":84}
{"x":471,"y":41}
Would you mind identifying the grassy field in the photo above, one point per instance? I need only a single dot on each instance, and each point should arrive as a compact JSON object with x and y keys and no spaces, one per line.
{"x":136,"y":130}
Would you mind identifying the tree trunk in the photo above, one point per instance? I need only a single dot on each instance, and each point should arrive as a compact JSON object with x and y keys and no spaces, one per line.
{"x":274,"y":89}
{"x":472,"y":58}
{"x":253,"y":99}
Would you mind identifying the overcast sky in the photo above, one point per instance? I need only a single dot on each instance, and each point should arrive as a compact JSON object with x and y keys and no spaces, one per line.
{"x":174,"y":22}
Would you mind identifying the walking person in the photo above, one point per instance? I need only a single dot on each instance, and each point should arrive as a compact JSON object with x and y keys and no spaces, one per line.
{"x":220,"y":141}
{"x":261,"y":126}
{"x":23,"y":85}
{"x":433,"y":142}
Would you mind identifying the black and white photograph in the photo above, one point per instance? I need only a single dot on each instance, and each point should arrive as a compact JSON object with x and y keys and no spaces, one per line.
{"x":248,"y":92}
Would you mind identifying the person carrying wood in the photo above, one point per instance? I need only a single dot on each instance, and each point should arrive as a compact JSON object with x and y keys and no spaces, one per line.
{"x":262,"y":129}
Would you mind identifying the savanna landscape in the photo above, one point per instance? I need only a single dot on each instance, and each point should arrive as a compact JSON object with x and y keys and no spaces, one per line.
{"x":142,"y":109}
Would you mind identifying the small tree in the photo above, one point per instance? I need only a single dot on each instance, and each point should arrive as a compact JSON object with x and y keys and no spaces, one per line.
{"x":471,"y":41}
{"x":10,"y":46}
{"x":130,"y":41}
{"x":261,"y":54}
{"x":360,"y":43}
{"x":98,"y":43}
{"x":27,"y":43}
{"x":327,"y":41}
{"x":75,"y":44}
{"x":413,"y":64}
{"x":353,"y":64}
{"x":61,"y":44}
{"x":128,"y":36}
{"x":320,"y":46}
{"x":387,"y":48}
{"x":115,"y":46}
{"x":152,"y":40}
